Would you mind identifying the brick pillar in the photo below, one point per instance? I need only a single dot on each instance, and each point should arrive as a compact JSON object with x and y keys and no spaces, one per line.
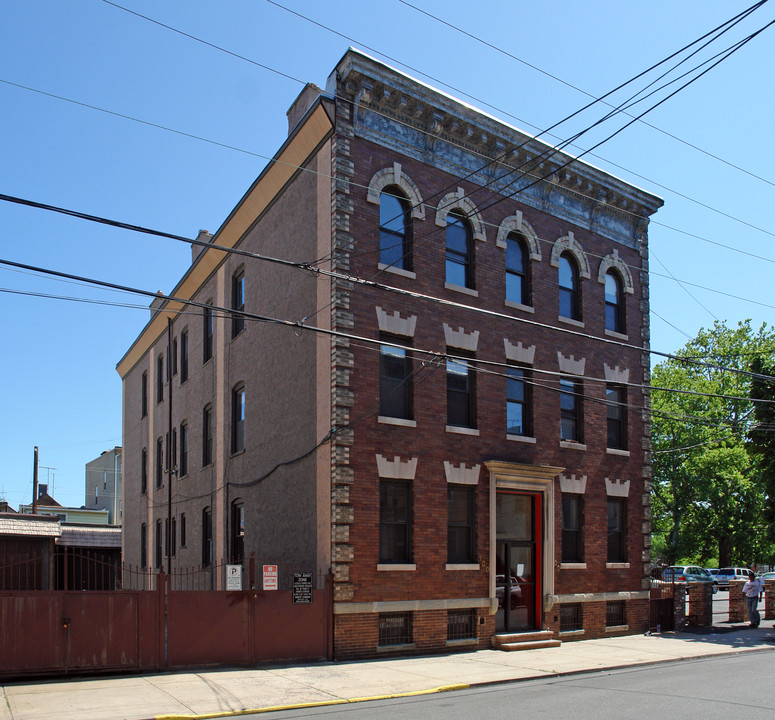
{"x":700,"y":605}
{"x":769,"y":599}
{"x":679,"y":606}
{"x":737,"y":610}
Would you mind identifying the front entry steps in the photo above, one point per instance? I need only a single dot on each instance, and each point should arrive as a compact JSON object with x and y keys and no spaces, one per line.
{"x":525,"y":640}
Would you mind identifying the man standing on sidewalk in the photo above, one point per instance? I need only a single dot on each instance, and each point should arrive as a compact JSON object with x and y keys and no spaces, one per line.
{"x":752,"y":590}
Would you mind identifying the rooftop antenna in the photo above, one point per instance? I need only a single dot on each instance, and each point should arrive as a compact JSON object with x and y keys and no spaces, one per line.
{"x":49,"y":481}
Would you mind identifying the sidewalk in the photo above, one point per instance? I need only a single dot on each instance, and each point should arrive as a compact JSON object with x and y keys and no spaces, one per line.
{"x":225,"y":692}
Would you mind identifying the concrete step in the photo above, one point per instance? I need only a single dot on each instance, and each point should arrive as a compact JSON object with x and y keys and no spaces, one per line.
{"x":525,"y":640}
{"x":529,"y":645}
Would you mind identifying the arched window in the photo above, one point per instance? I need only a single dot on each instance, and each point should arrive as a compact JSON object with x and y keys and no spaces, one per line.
{"x":614,"y":303}
{"x":570,"y":295}
{"x":237,"y":544}
{"x":460,"y":260}
{"x":238,"y":302}
{"x":517,"y":290}
{"x":395,"y":246}
{"x":238,"y":419}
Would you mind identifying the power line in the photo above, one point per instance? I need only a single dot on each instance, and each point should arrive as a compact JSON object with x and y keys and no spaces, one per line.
{"x":584,"y":92}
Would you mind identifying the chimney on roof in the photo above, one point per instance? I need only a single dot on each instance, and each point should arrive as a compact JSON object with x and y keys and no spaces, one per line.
{"x":42,"y":489}
{"x":197,"y":250}
{"x":301,"y":104}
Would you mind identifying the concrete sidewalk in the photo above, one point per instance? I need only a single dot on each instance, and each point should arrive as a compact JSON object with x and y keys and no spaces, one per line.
{"x":223,"y":692}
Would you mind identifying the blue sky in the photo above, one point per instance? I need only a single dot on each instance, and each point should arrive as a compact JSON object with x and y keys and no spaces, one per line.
{"x":60,"y":389}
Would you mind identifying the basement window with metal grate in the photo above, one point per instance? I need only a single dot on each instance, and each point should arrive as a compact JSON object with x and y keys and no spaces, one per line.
{"x":461,"y":624}
{"x":571,"y":617}
{"x":615,"y":613}
{"x":395,"y":628}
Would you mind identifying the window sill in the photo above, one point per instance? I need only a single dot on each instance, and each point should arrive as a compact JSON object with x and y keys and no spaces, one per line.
{"x":616,"y":451}
{"x":397,"y":567}
{"x":519,"y":306}
{"x":617,"y":628}
{"x":570,"y":633}
{"x":461,"y":566}
{"x":617,"y":335}
{"x":183,"y":477}
{"x":462,"y":430}
{"x":237,"y":452}
{"x":570,"y":321}
{"x":568,"y":445}
{"x":461,"y":289}
{"x":463,"y":641}
{"x":521,"y":438}
{"x":385,"y":420}
{"x":397,"y":271}
{"x":617,"y":566}
{"x":573,"y":566}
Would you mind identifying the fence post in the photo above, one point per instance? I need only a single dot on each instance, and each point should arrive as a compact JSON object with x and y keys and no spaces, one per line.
{"x":769,"y":599}
{"x":737,"y":610}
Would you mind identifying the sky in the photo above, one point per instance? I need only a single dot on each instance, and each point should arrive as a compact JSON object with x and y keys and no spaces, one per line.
{"x":161,"y":114}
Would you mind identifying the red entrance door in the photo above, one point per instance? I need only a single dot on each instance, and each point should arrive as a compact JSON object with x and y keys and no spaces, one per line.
{"x":518,"y":585}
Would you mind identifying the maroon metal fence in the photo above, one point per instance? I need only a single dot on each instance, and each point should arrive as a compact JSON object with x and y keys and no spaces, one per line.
{"x":50,"y":632}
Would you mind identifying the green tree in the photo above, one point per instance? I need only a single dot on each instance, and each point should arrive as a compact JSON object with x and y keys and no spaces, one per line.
{"x":708,"y":500}
{"x":762,"y":435}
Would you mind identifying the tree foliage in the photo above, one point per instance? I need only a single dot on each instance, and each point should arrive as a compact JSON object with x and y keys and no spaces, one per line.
{"x":709,"y":494}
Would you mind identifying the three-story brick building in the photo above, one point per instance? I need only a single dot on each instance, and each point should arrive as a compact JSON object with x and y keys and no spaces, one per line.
{"x":451,"y":417}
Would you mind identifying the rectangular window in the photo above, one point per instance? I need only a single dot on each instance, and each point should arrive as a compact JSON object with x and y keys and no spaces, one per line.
{"x":616,"y":416}
{"x":183,"y":450}
{"x":173,"y":459}
{"x":159,"y":547}
{"x":238,"y":419}
{"x":182,"y":530}
{"x":160,"y":378}
{"x":617,"y":530}
{"x":173,"y":536}
{"x":207,"y":436}
{"x":395,"y":384}
{"x":461,"y":545}
{"x":518,"y":405}
{"x":143,"y":546}
{"x":174,"y":356}
{"x":571,"y":410}
{"x":144,"y":472}
{"x":571,"y":617}
{"x":144,"y":395}
{"x":572,"y":547}
{"x":159,"y":462}
{"x":183,"y":356}
{"x":461,"y":624}
{"x":461,"y":396}
{"x":395,"y":628}
{"x":207,"y":537}
{"x":395,"y":521}
{"x":207,"y":333}
{"x":238,"y":303}
{"x":237,"y":532}
{"x":615,"y":613}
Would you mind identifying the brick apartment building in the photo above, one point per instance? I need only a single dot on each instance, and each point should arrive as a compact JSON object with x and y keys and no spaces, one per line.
{"x":459,"y":440}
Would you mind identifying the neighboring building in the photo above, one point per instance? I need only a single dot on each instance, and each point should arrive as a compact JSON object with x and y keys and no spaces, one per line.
{"x":103,"y":485}
{"x":46,"y":505}
{"x":467,"y":456}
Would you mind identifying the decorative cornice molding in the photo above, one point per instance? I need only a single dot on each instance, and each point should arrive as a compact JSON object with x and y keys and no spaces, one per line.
{"x":518,"y":353}
{"x":396,"y":468}
{"x":461,"y":339}
{"x":394,"y":324}
{"x":617,"y":488}
{"x":615,"y":375}
{"x":570,"y":364}
{"x":570,"y":484}
{"x":460,"y":474}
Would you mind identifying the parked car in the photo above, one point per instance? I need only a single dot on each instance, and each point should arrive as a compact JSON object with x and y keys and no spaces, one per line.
{"x":767,"y":576}
{"x":725,"y":575}
{"x":516,"y":591}
{"x":688,"y":574}
{"x":713,"y":572}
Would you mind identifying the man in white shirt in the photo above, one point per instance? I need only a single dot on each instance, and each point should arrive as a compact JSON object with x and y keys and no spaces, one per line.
{"x":752,"y":590}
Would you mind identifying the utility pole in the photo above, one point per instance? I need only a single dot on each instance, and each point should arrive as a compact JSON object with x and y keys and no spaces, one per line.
{"x":35,"y":484}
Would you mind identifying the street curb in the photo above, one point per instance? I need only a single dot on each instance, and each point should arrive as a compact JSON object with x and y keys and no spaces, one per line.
{"x":322,"y":703}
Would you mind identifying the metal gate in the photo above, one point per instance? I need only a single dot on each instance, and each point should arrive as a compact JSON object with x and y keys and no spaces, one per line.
{"x":662,"y":605}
